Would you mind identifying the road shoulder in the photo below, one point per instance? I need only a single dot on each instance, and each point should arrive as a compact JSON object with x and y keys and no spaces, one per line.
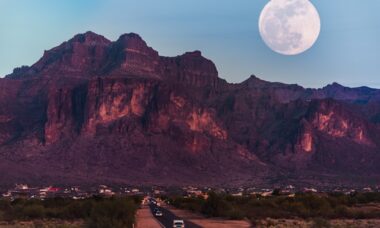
{"x":145,"y":219}
{"x":208,"y":222}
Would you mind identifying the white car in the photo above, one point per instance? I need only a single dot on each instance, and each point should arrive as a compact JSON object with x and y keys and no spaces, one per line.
{"x":158,"y":213}
{"x":178,"y":224}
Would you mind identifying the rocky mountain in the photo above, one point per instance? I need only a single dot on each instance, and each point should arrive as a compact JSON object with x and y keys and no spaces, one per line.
{"x":96,"y":111}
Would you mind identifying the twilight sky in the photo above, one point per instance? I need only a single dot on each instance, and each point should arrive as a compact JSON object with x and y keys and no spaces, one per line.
{"x":347,"y":51}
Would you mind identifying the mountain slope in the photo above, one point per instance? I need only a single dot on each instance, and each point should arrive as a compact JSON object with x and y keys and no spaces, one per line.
{"x":96,"y":111}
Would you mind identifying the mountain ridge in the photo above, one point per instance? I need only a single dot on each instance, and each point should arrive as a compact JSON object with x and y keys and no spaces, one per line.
{"x":95,"y":111}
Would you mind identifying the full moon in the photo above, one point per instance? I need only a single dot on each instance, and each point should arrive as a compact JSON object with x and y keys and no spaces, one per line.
{"x":289,"y":27}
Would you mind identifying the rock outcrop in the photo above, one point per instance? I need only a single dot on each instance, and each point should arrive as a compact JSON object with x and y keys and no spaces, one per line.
{"x":96,"y":111}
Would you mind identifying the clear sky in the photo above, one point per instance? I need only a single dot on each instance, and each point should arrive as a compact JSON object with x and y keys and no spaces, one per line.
{"x":347,"y":51}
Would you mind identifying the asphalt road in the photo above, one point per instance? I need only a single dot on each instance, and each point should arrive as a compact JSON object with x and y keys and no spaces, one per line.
{"x":168,"y":217}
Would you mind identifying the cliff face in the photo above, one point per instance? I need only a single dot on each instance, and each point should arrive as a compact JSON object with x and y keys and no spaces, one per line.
{"x":92,"y":110}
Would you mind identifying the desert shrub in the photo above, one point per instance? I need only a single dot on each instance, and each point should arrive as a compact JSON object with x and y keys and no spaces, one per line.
{"x":5,"y":205}
{"x":76,"y":210}
{"x":335,"y":205}
{"x":342,"y":211}
{"x":194,"y":204}
{"x":320,"y":223}
{"x":38,"y":224}
{"x":276,"y":192}
{"x":214,"y":206}
{"x":112,"y":213}
{"x":33,"y":211}
{"x":235,"y":214}
{"x":98,"y":212}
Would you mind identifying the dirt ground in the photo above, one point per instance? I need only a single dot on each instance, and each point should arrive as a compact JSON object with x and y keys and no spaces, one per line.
{"x":209,"y":222}
{"x":145,"y":219}
{"x":339,"y":223}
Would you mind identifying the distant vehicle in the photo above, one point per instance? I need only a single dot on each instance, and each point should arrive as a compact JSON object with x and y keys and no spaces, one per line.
{"x":153,"y":201}
{"x":178,"y":224}
{"x":158,"y":213}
